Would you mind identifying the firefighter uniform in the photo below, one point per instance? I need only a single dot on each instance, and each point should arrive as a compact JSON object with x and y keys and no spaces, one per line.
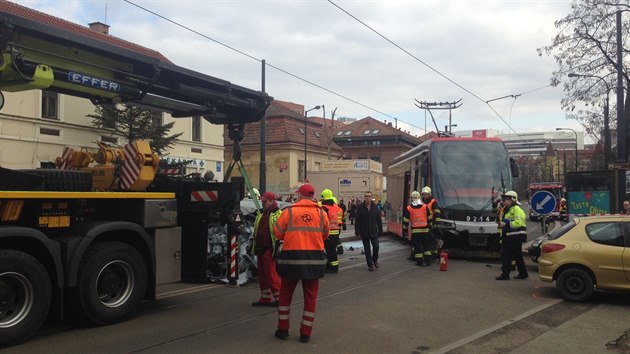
{"x":335,"y":215}
{"x":416,"y":217}
{"x":563,"y":210}
{"x":264,"y":245}
{"x":514,"y":234}
{"x":434,"y":213}
{"x":303,"y":227}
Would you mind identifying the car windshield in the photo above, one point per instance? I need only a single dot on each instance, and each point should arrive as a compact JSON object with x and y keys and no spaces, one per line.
{"x":557,"y":233}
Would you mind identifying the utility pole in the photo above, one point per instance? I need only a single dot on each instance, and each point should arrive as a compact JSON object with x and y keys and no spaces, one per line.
{"x":440,"y":105}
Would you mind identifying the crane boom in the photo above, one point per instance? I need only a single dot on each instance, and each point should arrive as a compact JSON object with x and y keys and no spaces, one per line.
{"x":39,"y":51}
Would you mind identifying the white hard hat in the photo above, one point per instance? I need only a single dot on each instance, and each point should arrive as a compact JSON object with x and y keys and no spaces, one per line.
{"x":426,"y":190}
{"x":511,"y":194}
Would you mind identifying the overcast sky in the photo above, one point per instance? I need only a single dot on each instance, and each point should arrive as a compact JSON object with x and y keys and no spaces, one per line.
{"x":470,"y":50}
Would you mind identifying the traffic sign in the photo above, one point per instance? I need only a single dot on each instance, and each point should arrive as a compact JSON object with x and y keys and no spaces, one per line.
{"x":543,"y":202}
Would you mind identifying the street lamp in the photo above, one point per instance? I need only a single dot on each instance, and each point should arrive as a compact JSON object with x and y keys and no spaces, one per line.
{"x":576,"y":146}
{"x":305,"y":128}
{"x":606,"y":115}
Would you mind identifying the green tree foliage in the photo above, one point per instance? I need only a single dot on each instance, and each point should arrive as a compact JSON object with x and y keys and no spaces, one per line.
{"x":586,"y":45}
{"x":134,"y":123}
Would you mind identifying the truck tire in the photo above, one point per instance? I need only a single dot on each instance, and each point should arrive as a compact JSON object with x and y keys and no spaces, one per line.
{"x":112,"y":281}
{"x":62,"y":180}
{"x":25,"y":293}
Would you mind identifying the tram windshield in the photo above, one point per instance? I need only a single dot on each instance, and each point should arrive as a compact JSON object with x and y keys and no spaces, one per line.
{"x":464,"y":173}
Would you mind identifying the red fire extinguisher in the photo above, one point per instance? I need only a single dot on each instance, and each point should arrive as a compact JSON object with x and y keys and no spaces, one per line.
{"x":443,"y":261}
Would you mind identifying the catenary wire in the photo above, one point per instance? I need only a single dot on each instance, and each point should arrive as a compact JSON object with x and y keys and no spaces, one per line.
{"x":427,"y":65}
{"x":267,"y":63}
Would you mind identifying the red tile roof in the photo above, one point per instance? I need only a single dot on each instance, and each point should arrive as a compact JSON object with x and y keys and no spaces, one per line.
{"x":56,"y":22}
{"x":368,"y":123}
{"x":284,"y":125}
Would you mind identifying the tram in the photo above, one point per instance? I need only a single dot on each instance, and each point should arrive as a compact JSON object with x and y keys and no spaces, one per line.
{"x":465,"y":175}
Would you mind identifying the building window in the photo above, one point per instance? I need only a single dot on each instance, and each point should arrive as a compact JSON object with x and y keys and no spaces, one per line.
{"x":196,"y":150}
{"x":156,"y":120}
{"x":317,"y":134}
{"x":375,"y":131}
{"x":48,"y":131}
{"x":367,"y":132}
{"x":347,"y":132}
{"x":301,"y":170}
{"x":50,"y":102}
{"x":109,"y":139}
{"x":301,"y":130}
{"x":339,"y":133}
{"x":196,"y":128}
{"x":376,"y":158}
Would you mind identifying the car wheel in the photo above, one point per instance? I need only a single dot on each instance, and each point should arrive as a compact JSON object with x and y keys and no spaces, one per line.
{"x":575,"y":284}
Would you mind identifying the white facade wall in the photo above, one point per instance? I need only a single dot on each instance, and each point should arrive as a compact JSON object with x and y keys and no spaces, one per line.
{"x":26,"y":140}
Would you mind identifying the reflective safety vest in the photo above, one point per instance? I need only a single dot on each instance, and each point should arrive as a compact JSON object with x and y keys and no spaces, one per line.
{"x":303,"y":227}
{"x":433,"y":210}
{"x":418,"y":219}
{"x":515,"y":227}
{"x":273,"y":217}
{"x":335,"y":216}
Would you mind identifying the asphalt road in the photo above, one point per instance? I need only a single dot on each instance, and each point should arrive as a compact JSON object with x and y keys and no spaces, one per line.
{"x":399,"y":308}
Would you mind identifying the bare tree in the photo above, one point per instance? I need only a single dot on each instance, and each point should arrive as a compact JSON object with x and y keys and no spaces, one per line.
{"x":586,"y":45}
{"x":329,"y":130}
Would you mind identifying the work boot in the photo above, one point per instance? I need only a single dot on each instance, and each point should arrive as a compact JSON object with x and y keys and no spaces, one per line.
{"x":304,"y":338}
{"x":521,"y":276}
{"x":282,"y":333}
{"x":420,"y":263}
{"x":427,"y":262}
{"x":502,"y":277}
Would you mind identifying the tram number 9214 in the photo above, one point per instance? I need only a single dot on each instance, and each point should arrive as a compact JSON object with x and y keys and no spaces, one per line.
{"x":480,"y":218}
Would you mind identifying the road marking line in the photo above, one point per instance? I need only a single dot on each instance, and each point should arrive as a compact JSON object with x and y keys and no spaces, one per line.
{"x":487,"y":331}
{"x":186,"y":291}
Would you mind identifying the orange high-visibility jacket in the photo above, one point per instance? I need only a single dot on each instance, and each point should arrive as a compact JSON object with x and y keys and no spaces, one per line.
{"x":302,"y":227}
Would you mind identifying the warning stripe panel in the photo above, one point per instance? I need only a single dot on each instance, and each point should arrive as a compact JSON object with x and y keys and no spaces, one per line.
{"x":203,"y":196}
{"x":130,"y":169}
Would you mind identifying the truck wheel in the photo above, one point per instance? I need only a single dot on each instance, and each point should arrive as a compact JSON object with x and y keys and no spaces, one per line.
{"x":25,"y":294}
{"x":63,"y":180}
{"x":112,"y":281}
{"x":575,"y":284}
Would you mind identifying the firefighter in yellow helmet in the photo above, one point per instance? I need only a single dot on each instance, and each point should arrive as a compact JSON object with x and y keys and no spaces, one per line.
{"x":416,"y":218}
{"x":335,"y":214}
{"x":514,"y":234}
{"x":433,"y":210}
{"x":563,"y":210}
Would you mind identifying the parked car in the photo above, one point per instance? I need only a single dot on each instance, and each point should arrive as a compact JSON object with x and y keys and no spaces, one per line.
{"x":586,"y":254}
{"x":534,"y":249}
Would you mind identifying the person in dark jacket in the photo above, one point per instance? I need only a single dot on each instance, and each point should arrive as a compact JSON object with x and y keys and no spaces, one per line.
{"x":369,"y":226}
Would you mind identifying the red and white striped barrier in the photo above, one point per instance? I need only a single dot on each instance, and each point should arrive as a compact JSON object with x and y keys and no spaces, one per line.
{"x":233,"y":278}
{"x":131,"y":167}
{"x":203,"y":196}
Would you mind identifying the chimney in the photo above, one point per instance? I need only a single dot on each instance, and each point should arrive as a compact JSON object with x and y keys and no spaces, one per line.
{"x":99,"y":27}
{"x":389,"y":123}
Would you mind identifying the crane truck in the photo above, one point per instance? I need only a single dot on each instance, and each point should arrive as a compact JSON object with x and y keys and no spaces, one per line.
{"x":79,"y":241}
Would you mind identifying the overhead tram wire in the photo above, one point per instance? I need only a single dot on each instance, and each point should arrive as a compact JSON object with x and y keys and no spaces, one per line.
{"x":267,"y":63}
{"x":425,"y":64}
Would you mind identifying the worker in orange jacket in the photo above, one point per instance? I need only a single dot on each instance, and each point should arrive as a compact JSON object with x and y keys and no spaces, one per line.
{"x":303,"y":228}
{"x":416,"y":218}
{"x":335,"y":215}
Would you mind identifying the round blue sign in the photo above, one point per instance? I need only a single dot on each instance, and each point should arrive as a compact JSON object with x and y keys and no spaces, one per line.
{"x":543,"y":202}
